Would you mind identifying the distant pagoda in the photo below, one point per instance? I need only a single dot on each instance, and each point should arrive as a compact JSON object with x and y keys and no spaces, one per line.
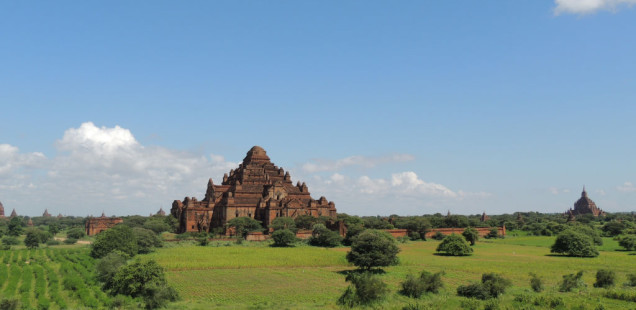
{"x":585,"y":205}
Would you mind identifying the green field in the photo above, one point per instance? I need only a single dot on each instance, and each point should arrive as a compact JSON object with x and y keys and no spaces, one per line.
{"x":50,"y":279}
{"x":259,"y":277}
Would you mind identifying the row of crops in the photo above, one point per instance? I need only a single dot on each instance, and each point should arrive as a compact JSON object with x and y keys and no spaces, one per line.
{"x":50,"y":279}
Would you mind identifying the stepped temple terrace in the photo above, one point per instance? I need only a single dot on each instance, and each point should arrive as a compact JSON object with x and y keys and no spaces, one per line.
{"x":585,"y":205}
{"x":257,"y":189}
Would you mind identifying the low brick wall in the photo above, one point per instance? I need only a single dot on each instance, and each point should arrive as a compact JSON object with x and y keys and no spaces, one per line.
{"x":397,"y":232}
{"x":256,"y":236}
{"x":303,"y":233}
{"x":482,"y":231}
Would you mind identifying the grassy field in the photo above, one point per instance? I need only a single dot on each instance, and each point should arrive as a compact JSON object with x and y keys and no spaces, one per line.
{"x":259,"y":277}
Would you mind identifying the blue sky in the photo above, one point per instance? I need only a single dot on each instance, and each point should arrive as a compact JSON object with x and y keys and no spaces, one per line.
{"x":385,"y":108}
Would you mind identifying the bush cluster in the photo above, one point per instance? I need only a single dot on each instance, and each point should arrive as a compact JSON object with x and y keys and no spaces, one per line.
{"x":284,"y":238}
{"x":373,"y":248}
{"x":571,"y":281}
{"x":365,"y":289}
{"x":573,"y":243}
{"x":605,"y":278}
{"x":425,"y":283}
{"x":454,"y":245}
{"x":492,"y":285}
{"x":535,"y":283}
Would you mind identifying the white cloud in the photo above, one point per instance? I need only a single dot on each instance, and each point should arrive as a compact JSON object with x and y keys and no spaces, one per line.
{"x":627,"y":187}
{"x":100,"y":168}
{"x":319,"y":165}
{"x":589,"y":6}
{"x":557,"y":191}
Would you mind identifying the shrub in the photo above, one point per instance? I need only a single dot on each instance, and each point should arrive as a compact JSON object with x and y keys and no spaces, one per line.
{"x":76,"y":233}
{"x":70,"y":241}
{"x":628,"y":242}
{"x":426,"y":282}
{"x":108,"y":266}
{"x":352,"y":231}
{"x":535,"y":283}
{"x":571,"y":281}
{"x":157,"y":225}
{"x":471,"y":235}
{"x":613,"y":228}
{"x":32,"y":240}
{"x":322,"y":236}
{"x":120,"y":237}
{"x":454,"y":245}
{"x":144,"y":279}
{"x":439,"y":235}
{"x":53,"y":242}
{"x":366,"y":288}
{"x":493,"y":233}
{"x":373,"y":248}
{"x":9,"y":304}
{"x":284,"y":238}
{"x":147,"y":240}
{"x":244,"y":225}
{"x":631,"y":280}
{"x":492,"y":285}
{"x":283,"y":222}
{"x":203,"y":241}
{"x":10,"y":240}
{"x":605,"y":278}
{"x":573,"y":243}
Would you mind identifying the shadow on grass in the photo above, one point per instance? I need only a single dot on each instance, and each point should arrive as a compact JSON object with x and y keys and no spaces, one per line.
{"x":361,"y":271}
{"x":446,"y":254}
{"x":570,"y":256}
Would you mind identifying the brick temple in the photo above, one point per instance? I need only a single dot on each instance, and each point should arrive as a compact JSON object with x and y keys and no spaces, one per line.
{"x":257,"y":189}
{"x":95,"y":225}
{"x":584,"y":205}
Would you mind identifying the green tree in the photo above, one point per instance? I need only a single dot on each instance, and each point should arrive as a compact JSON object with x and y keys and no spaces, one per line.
{"x":54,"y":228}
{"x":76,"y":233}
{"x":613,"y":228}
{"x":157,"y":225}
{"x":571,"y":281}
{"x":147,"y":240}
{"x":322,"y":236}
{"x":471,"y":235}
{"x":120,"y":237}
{"x":373,"y":248}
{"x":572,"y":243}
{"x":145,"y":279}
{"x":244,"y":225}
{"x":454,"y":245}
{"x":283,"y":238}
{"x":305,"y":221}
{"x":283,"y":222}
{"x":108,"y":266}
{"x":32,"y":239}
{"x":492,"y":285}
{"x":15,"y":227}
{"x":493,"y":233}
{"x":628,"y":242}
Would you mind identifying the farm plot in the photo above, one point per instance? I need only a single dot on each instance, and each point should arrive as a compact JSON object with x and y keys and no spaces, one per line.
{"x":50,"y":279}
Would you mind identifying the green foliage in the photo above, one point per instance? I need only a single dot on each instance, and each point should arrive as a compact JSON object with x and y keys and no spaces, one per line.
{"x":454,"y":245}
{"x":283,"y":238}
{"x":493,"y":233}
{"x":54,"y":228}
{"x":373,"y":248}
{"x":439,"y":235}
{"x":352,"y":231}
{"x":535,"y":283}
{"x":322,"y":236}
{"x":492,"y":285}
{"x":613,"y":228}
{"x":425,"y":283}
{"x":376,"y":222}
{"x":15,"y":226}
{"x":70,"y":241}
{"x":144,"y":279}
{"x":605,"y":278}
{"x":365,"y":289}
{"x":204,"y":240}
{"x":571,"y":281}
{"x":588,"y":231}
{"x":120,"y":237}
{"x":147,"y":240}
{"x":305,"y":221}
{"x":32,"y":239}
{"x":244,"y":225}
{"x":283,"y":222}
{"x":157,"y":224}
{"x":628,"y":242}
{"x":417,"y":226}
{"x":10,"y":240}
{"x":76,"y":233}
{"x":9,"y":304}
{"x":471,"y":235}
{"x":108,"y":266}
{"x":627,"y":295}
{"x":53,"y":242}
{"x":575,"y":244}
{"x":631,"y":280}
